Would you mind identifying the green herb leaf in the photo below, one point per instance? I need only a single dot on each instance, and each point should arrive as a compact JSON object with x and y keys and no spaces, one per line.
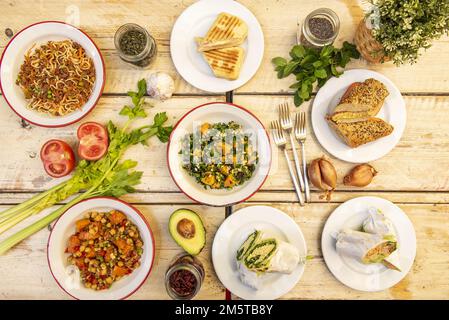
{"x":160,"y":118}
{"x":298,"y":52}
{"x":297,"y":99}
{"x":310,"y":58}
{"x":335,"y":72}
{"x":313,"y":66}
{"x":296,"y":85}
{"x":279,"y":61}
{"x":326,"y":51}
{"x":304,"y":92}
{"x":142,"y":87}
{"x":289,"y":68}
{"x":320,"y":73}
{"x":317,"y":64}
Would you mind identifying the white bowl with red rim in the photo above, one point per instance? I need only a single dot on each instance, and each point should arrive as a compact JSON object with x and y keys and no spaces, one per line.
{"x":13,"y":57}
{"x":215,"y":112}
{"x":68,"y":277}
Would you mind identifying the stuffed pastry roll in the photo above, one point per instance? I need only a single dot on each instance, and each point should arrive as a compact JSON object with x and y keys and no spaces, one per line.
{"x":260,"y":254}
{"x":379,"y":224}
{"x":364,"y":247}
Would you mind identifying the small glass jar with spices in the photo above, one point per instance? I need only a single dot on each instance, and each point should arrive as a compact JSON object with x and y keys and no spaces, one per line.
{"x":184,"y":277}
{"x":135,"y":45}
{"x":320,"y":28}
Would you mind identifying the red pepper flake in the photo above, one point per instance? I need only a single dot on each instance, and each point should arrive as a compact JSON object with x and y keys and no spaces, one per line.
{"x":183,"y":282}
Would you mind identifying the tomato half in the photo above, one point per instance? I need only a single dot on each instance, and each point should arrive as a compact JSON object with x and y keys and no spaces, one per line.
{"x":58,"y":158}
{"x":93,"y":141}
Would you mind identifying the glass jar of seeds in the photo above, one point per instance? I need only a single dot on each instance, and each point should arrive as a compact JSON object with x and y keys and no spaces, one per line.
{"x":320,"y":28}
{"x":135,"y":45}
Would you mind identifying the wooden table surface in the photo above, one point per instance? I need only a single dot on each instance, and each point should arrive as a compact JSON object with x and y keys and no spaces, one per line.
{"x":414,"y":175}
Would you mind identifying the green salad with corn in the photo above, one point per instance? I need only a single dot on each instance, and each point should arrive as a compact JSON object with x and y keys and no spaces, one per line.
{"x":219,"y":155}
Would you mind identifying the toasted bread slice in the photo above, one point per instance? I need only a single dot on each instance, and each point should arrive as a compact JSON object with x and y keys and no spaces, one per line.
{"x":348,"y":112}
{"x":225,"y":63}
{"x":227,"y":31}
{"x":369,"y":95}
{"x":355,"y":134}
{"x":351,"y":107}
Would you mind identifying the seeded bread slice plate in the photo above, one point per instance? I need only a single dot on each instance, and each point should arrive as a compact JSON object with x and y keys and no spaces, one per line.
{"x":355,"y":134}
{"x":330,"y":95}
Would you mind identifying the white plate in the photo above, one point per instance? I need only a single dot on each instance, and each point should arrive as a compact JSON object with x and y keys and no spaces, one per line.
{"x":13,"y":57}
{"x":372,"y":277}
{"x":212,"y":113}
{"x":234,"y":231}
{"x":195,"y":21}
{"x":327,"y":98}
{"x":68,"y":277}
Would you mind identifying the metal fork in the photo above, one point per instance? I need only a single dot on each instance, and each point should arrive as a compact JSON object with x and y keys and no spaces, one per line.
{"x":280,"y":141}
{"x":300,"y":134}
{"x":287,"y":125}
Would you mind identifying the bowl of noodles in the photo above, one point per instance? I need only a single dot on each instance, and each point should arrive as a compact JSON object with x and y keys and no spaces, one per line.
{"x":51,"y":74}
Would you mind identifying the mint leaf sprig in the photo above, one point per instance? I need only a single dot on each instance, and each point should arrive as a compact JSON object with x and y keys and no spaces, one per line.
{"x":311,"y":66}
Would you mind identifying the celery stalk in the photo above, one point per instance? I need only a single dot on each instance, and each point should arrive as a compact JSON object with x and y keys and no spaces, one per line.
{"x":30,"y":202}
{"x":7,"y":224}
{"x":11,"y":241}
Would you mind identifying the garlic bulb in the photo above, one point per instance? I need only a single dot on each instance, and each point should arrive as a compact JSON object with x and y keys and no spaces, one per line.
{"x":160,"y":85}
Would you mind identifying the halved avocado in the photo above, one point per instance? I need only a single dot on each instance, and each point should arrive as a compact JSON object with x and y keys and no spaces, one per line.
{"x":187,"y":229}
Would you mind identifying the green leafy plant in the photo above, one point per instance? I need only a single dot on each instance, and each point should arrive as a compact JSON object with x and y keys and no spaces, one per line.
{"x":311,"y":66}
{"x":403,"y":27}
{"x":104,"y":177}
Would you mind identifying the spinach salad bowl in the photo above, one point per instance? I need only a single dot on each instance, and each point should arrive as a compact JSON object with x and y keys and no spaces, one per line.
{"x":219,"y":154}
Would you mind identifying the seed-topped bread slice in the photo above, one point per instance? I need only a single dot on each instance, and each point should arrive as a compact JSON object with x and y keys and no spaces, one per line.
{"x":367,"y":96}
{"x":357,"y":133}
{"x":348,"y":112}
{"x":225,"y":63}
{"x":354,"y":119}
{"x":227,"y":31}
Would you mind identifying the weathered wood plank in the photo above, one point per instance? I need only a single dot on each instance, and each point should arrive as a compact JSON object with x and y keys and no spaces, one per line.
{"x":24,"y":270}
{"x":413,"y":165}
{"x":278,"y":19}
{"x":428,"y":278}
{"x":418,"y":163}
{"x":264,"y":195}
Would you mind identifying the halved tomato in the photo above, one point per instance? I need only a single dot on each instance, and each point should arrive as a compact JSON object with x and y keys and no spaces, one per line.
{"x":93,"y":138}
{"x":58,"y":158}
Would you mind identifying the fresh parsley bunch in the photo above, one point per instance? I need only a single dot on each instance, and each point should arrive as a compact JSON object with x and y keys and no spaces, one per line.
{"x":311,"y":66}
{"x":108,"y":176}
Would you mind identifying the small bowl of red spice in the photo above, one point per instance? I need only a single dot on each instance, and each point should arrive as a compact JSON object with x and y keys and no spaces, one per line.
{"x":184,"y":277}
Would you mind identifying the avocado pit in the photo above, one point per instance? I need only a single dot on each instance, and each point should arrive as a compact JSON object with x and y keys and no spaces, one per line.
{"x":186,"y":228}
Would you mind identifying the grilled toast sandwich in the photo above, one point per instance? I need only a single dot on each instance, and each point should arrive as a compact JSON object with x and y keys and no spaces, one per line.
{"x":225,"y":63}
{"x":227,"y":31}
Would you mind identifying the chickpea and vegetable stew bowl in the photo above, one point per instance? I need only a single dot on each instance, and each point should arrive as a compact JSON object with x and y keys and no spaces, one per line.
{"x":219,"y":154}
{"x":101,"y":248}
